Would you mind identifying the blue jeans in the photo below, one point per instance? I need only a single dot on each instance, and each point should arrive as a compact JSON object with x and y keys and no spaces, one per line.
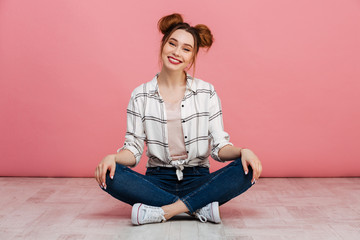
{"x":160,"y":186}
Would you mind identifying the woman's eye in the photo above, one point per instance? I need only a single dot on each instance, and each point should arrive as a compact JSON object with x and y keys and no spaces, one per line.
{"x":172,"y":44}
{"x":186,"y":49}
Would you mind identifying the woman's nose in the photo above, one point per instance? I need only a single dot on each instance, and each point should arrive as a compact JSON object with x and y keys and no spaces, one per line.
{"x":176,"y":51}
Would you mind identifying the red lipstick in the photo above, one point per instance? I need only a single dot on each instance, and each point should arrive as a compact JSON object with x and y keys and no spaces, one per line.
{"x":174,"y":60}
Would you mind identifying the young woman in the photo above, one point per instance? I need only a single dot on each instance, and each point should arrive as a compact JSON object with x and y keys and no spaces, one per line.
{"x":179,"y":117}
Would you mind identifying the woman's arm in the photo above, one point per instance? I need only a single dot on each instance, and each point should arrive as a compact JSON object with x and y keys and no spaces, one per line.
{"x":229,"y":152}
{"x":125,"y":157}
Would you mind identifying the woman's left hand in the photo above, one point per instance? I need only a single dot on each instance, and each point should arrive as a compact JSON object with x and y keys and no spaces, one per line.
{"x":249,"y":158}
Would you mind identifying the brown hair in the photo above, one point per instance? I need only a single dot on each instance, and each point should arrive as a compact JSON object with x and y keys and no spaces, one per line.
{"x":201,"y":33}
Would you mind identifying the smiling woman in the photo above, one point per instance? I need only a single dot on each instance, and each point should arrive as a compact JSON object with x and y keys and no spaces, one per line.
{"x":198,"y":36}
{"x":178,"y":50}
{"x":179,"y":117}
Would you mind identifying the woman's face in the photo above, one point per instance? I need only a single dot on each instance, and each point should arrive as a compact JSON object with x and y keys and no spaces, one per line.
{"x":178,"y":51}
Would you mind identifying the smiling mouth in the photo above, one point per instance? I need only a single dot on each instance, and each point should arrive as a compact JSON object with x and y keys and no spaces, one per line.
{"x":174,"y":60}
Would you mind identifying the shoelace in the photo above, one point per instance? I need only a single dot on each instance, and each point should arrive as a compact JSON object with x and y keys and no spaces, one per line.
{"x":153,"y":215}
{"x":202,"y":218}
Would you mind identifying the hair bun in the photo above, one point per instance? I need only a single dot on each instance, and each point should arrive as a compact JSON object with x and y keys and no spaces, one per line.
{"x":169,"y":21}
{"x":206,"y":38}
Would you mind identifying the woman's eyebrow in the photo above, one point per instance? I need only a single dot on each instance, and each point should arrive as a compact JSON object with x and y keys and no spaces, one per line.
{"x":173,"y":39}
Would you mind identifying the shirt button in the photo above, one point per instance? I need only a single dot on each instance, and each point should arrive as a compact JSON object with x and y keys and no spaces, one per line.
{"x":182,"y":105}
{"x":187,"y":151}
{"x":183,"y":121}
{"x":185,"y":136}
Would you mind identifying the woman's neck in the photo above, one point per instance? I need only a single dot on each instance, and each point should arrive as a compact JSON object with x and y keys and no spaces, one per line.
{"x":171,"y":79}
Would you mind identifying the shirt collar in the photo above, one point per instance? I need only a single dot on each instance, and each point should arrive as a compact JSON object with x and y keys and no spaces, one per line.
{"x":154,"y":88}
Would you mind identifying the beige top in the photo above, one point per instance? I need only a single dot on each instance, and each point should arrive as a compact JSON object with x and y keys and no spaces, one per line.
{"x":176,"y":136}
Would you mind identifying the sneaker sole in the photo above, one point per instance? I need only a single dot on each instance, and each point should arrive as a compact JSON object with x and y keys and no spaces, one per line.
{"x":135,"y":213}
{"x":216,"y":212}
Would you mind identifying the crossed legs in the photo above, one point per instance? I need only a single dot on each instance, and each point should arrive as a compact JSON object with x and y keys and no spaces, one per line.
{"x":220,"y":186}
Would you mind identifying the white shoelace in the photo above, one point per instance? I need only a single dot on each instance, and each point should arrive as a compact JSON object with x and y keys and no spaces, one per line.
{"x":202,"y":218}
{"x":204,"y":213}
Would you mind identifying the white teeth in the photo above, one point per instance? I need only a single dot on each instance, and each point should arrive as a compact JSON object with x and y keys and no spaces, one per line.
{"x":174,"y":60}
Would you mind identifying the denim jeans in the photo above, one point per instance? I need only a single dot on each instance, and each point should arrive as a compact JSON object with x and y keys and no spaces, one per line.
{"x":160,"y":186}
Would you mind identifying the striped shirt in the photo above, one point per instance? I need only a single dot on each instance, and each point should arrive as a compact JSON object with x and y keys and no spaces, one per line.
{"x":201,"y":118}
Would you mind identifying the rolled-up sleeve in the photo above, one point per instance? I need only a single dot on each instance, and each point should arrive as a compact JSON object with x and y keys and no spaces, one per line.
{"x":135,"y":134}
{"x":219,"y":138}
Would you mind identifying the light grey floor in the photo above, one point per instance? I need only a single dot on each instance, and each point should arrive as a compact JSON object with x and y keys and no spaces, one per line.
{"x":274,"y":208}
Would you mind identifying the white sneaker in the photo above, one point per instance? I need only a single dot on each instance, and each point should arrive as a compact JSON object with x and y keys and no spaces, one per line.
{"x":142,"y":214}
{"x":209,"y":213}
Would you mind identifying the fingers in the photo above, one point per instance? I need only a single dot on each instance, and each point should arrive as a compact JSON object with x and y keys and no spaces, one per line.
{"x":246,"y":169}
{"x":100,"y":174}
{"x":103,"y":175}
{"x":108,"y":163}
{"x":112,"y":172}
{"x":96,"y":174}
{"x":98,"y":171}
{"x":253,"y":180}
{"x":249,"y":158}
{"x":245,"y":166}
{"x":257,"y":168}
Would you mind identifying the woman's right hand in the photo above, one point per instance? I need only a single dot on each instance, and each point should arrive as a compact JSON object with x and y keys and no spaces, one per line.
{"x":108,"y":163}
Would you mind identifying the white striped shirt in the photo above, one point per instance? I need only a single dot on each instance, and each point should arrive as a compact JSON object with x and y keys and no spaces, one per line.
{"x":201,"y":118}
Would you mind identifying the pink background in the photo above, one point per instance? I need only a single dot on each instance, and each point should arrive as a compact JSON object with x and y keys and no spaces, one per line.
{"x":287,"y":72}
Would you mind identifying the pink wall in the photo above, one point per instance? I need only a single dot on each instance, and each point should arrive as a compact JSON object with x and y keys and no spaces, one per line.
{"x":287,"y":71}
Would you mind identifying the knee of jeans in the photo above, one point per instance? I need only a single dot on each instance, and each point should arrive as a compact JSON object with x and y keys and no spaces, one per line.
{"x":240,"y":169}
{"x":237,"y":163}
{"x":119,"y":169}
